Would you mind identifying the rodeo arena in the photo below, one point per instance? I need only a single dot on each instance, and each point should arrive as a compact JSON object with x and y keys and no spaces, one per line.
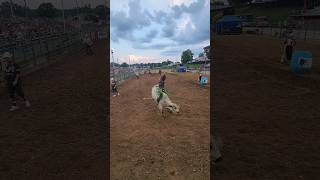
{"x":52,"y":136}
{"x":159,"y":134}
{"x":266,"y":96}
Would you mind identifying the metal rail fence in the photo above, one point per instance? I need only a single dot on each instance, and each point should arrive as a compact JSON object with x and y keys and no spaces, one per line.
{"x":302,"y":33}
{"x":35,"y":53}
{"x":121,"y":74}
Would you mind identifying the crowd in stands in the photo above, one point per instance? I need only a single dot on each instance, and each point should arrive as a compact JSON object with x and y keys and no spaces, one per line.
{"x":21,"y":29}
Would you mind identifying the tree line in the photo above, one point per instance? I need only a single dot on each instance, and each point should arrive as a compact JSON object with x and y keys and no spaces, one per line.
{"x":186,"y":56}
{"x":48,"y":10}
{"x":143,"y":65}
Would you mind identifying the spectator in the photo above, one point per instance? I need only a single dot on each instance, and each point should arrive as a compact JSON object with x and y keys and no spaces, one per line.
{"x":289,"y":45}
{"x":88,"y":43}
{"x":114,"y":88}
{"x":12,"y":76}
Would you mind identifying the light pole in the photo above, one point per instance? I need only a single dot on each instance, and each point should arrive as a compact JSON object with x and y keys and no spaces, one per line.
{"x":11,"y":9}
{"x":78,"y":14}
{"x":129,"y":64}
{"x":63,"y":18}
{"x":305,"y":6}
{"x":105,"y":10}
{"x":25,"y":8}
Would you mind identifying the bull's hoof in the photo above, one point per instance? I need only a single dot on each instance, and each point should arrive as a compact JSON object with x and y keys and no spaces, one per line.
{"x":163,"y":115}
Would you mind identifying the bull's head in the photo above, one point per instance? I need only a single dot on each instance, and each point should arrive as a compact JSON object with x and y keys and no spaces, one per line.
{"x":174,"y":108}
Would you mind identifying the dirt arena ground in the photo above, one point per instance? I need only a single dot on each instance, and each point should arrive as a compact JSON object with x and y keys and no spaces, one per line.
{"x":63,"y":134}
{"x":267,"y":117}
{"x":145,"y":146}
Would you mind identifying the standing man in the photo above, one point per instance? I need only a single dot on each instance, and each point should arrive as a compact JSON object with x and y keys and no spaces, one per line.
{"x":88,"y":43}
{"x":200,"y":76}
{"x":114,"y":88}
{"x":13,"y":79}
{"x":2,"y":68}
{"x":289,"y":44}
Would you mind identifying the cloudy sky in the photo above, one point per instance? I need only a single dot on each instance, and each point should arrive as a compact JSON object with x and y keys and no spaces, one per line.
{"x":154,"y":31}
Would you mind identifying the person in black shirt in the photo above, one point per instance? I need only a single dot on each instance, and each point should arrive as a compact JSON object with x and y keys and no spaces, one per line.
{"x":289,"y":44}
{"x":114,"y":87}
{"x":13,"y":80}
{"x":88,"y":43}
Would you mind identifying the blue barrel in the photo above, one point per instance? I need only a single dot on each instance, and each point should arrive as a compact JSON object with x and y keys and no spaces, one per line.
{"x":204,"y":80}
{"x":301,"y":62}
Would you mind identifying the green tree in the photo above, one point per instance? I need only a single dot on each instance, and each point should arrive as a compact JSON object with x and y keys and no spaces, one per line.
{"x":169,"y":62}
{"x":186,"y":56}
{"x":115,"y":64}
{"x":201,"y":55}
{"x":124,"y":65}
{"x":47,"y":10}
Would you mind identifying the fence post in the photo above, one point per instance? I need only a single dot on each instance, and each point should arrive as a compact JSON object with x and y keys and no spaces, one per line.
{"x":24,"y":52}
{"x":47,"y":48}
{"x":305,"y":34}
{"x":280,"y":33}
{"x":40,"y":47}
{"x":34,"y":54}
{"x":314,"y":31}
{"x":1,"y":71}
{"x":13,"y":53}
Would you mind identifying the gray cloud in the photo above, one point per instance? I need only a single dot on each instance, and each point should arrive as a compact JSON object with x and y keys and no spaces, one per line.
{"x":158,"y":46}
{"x":179,"y":52}
{"x":124,"y":25}
{"x":169,"y":28}
{"x":202,"y":29}
{"x":149,"y":36}
{"x":170,"y":52}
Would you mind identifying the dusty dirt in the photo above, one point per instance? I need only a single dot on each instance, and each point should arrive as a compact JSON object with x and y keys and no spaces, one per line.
{"x":267,"y":117}
{"x":64,"y":134}
{"x":145,"y":146}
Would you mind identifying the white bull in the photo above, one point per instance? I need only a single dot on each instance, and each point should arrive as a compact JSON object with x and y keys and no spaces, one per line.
{"x":165,"y":102}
